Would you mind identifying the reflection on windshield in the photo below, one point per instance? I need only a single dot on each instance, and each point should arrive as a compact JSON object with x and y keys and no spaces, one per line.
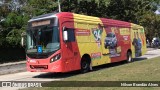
{"x":46,"y":37}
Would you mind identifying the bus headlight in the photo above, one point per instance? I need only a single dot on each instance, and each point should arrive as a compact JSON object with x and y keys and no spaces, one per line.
{"x":55,"y":58}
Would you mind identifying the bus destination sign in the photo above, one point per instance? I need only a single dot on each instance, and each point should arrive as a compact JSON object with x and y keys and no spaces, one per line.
{"x":40,"y":23}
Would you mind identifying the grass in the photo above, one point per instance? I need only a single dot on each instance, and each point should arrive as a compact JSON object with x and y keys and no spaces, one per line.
{"x":143,"y":70}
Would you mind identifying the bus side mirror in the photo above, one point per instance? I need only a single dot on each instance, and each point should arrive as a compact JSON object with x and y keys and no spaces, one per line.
{"x":65,"y":34}
{"x":23,"y":35}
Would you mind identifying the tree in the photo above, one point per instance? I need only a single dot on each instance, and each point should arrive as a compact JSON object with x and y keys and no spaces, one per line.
{"x":151,"y":23}
{"x":14,"y":15}
{"x":137,"y":11}
{"x":87,"y":7}
{"x":12,"y":21}
{"x":129,"y":10}
{"x":38,"y":7}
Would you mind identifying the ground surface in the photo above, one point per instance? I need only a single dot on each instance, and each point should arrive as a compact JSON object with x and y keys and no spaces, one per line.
{"x":113,"y":72}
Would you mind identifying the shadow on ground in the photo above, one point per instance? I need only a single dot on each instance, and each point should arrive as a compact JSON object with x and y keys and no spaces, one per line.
{"x":139,"y":59}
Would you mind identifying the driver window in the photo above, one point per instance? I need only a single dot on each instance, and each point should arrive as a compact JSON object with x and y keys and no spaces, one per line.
{"x":71,"y":34}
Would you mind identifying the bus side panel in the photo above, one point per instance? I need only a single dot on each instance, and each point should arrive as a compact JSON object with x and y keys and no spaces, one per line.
{"x":124,"y":43}
{"x":118,"y":52}
{"x":89,"y":33}
{"x":121,"y":41}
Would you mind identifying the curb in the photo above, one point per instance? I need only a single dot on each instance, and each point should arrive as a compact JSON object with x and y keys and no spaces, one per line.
{"x":12,"y":63}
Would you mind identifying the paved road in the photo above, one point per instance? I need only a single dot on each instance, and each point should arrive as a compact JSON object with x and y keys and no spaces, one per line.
{"x":13,"y":68}
{"x":41,"y":76}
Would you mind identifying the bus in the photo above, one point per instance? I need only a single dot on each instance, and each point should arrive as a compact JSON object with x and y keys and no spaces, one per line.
{"x":64,"y":42}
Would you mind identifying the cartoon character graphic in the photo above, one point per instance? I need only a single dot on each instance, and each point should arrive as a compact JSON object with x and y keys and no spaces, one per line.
{"x":110,"y":41}
{"x":137,"y":44}
{"x":97,"y":32}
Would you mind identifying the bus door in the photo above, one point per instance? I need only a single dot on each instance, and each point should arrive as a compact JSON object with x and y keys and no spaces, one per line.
{"x":71,"y":50}
{"x":136,"y":43}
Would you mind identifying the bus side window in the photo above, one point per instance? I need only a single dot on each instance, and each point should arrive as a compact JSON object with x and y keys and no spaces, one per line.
{"x":71,"y":35}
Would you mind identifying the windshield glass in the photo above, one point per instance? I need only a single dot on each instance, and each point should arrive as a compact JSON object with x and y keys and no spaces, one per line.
{"x":45,"y":37}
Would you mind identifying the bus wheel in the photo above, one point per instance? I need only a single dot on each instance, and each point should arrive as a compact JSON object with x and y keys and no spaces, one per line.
{"x":85,"y":66}
{"x":129,"y":57}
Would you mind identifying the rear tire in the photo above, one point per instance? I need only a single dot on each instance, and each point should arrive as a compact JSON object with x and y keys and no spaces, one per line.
{"x":129,"y":57}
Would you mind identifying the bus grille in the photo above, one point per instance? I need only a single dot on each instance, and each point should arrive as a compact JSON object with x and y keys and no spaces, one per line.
{"x":39,"y":66}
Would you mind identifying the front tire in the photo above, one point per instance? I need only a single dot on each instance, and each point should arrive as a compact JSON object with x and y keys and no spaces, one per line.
{"x":85,"y":66}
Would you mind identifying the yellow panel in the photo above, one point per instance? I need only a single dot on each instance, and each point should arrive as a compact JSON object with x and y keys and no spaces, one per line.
{"x":136,"y":28}
{"x":132,"y":47}
{"x":88,"y":44}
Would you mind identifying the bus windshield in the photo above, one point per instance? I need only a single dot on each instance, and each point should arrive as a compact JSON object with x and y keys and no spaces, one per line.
{"x":46,"y":37}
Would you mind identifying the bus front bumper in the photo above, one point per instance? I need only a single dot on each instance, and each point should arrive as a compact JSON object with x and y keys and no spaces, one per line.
{"x":44,"y":67}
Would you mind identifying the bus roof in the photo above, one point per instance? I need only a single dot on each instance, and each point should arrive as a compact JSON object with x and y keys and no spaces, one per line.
{"x":105,"y":21}
{"x":44,"y":16}
{"x":85,"y":17}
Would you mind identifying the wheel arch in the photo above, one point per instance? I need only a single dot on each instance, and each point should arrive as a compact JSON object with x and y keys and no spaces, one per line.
{"x":86,"y":57}
{"x":129,"y":50}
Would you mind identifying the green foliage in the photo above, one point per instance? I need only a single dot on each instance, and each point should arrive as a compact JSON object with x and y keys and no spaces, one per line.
{"x":86,"y":7}
{"x":38,"y":7}
{"x":12,"y":20}
{"x":13,"y":26}
{"x":129,"y":10}
{"x":151,"y":23}
{"x":14,"y":37}
{"x":16,"y":20}
{"x":135,"y":11}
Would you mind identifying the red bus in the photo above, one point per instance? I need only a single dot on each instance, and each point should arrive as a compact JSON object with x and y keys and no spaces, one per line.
{"x":63,"y":42}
